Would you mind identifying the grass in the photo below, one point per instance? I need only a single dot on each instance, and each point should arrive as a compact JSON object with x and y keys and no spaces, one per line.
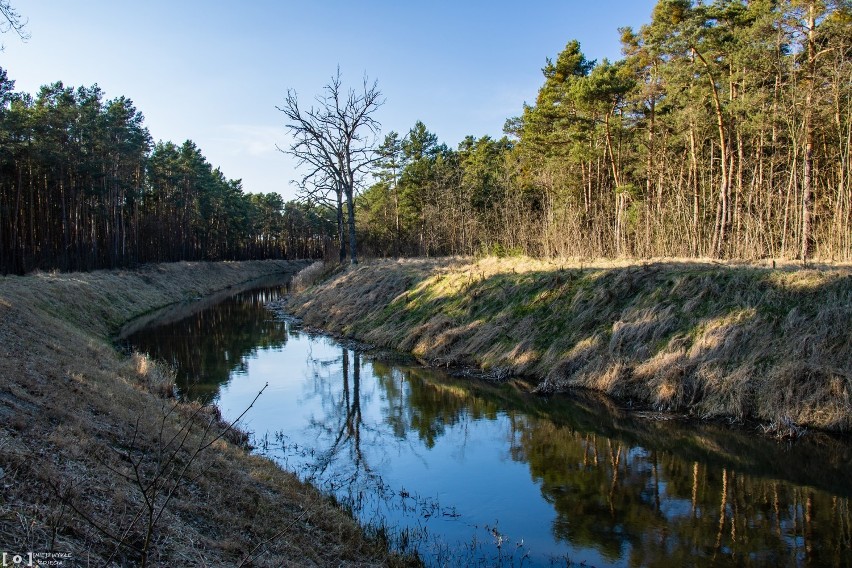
{"x":733,"y":341}
{"x":87,"y":433}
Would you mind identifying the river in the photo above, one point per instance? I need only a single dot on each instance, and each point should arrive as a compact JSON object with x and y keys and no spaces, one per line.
{"x":471,"y":473}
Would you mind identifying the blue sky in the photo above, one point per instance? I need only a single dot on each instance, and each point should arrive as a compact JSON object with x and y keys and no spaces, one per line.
{"x":212,"y":71}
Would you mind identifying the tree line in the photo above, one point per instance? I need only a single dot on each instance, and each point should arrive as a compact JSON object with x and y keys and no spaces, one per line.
{"x":82,"y":186}
{"x":725,"y":131}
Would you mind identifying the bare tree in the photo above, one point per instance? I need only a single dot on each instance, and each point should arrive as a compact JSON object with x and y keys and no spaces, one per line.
{"x":335,"y":142}
{"x":10,"y":20}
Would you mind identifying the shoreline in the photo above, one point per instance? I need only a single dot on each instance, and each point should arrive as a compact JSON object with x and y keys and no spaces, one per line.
{"x":707,"y":340}
{"x":100,"y":463}
{"x":719,"y":438}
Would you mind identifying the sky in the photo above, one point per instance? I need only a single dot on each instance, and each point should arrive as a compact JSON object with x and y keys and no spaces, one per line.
{"x":213,"y":71}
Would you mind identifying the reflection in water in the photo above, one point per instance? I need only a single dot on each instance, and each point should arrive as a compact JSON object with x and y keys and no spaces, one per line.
{"x":469,"y":473}
{"x":655,"y":509}
{"x":207,"y":347}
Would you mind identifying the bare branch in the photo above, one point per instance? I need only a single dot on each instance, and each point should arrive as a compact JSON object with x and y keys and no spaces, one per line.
{"x":10,"y":20}
{"x":334,"y":143}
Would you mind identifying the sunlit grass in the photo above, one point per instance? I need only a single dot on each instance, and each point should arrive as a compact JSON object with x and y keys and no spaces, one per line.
{"x":707,"y":338}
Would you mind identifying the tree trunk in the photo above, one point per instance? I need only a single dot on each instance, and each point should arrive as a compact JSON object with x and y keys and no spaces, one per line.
{"x":808,"y":162}
{"x":350,"y":207}
{"x":341,"y":239}
{"x":719,"y":236}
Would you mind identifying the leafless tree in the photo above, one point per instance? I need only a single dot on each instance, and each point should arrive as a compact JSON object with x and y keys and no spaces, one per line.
{"x":10,"y":20}
{"x":334,"y":141}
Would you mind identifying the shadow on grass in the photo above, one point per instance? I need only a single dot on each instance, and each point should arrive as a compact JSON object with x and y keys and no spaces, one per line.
{"x":714,"y":341}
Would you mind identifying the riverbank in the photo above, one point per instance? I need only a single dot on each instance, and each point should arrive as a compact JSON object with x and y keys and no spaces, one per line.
{"x":710,"y":340}
{"x":99,"y":463}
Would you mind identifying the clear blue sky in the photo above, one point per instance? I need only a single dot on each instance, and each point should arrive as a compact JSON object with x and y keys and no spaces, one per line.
{"x":212,"y":71}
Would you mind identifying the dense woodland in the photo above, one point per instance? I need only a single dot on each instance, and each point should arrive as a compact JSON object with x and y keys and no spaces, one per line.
{"x":724,"y":131}
{"x":82,"y":186}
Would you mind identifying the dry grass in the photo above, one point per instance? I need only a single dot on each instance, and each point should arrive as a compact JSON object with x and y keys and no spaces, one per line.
{"x":76,"y":418}
{"x":314,"y":273}
{"x":737,"y":341}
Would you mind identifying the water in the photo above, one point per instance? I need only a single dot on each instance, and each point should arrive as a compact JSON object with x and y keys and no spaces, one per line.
{"x":469,"y":473}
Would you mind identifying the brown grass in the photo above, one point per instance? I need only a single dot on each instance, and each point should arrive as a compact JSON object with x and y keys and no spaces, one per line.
{"x":734,"y":341}
{"x":76,"y":415}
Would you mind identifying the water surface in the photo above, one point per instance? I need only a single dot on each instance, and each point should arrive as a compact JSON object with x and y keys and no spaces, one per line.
{"x":471,"y":473}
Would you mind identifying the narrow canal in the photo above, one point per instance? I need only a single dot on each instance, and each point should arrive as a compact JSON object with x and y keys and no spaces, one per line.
{"x":470,"y":473}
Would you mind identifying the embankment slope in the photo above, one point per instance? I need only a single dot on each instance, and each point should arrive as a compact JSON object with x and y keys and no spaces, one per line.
{"x":96,"y":464}
{"x":710,"y":340}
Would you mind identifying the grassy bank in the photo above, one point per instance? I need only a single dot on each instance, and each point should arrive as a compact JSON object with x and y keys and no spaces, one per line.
{"x":711,"y":340}
{"x":96,"y":459}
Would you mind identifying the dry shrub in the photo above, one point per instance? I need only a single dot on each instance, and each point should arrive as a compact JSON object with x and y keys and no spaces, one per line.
{"x":316,"y":272}
{"x":157,"y":377}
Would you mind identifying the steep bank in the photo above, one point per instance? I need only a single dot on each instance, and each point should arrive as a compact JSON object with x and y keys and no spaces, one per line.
{"x":98,"y":462}
{"x":710,"y":340}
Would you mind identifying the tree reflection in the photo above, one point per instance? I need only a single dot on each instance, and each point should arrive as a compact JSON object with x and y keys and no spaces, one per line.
{"x":206,"y":348}
{"x":342,"y":420}
{"x":652,"y":508}
{"x":639,"y":492}
{"x":417,"y":403}
{"x":645,"y":507}
{"x":345,"y":449}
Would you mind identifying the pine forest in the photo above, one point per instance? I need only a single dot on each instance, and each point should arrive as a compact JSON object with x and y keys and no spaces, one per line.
{"x":725,"y":131}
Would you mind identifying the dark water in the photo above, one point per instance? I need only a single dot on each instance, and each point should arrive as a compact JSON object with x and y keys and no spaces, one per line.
{"x":469,"y":473}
